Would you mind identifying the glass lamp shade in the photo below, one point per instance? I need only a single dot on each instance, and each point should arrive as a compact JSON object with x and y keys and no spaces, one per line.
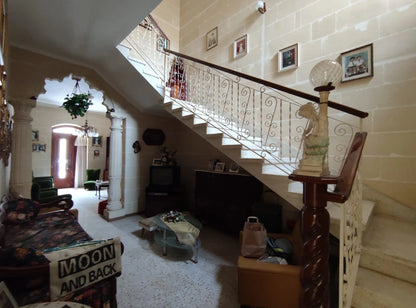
{"x":327,"y":73}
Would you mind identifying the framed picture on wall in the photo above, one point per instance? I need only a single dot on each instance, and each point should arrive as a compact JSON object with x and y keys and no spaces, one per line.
{"x":162,"y":42}
{"x":288,"y":58}
{"x":241,"y":46}
{"x":35,"y":135}
{"x":357,"y":63}
{"x":212,"y":38}
{"x":97,"y":141}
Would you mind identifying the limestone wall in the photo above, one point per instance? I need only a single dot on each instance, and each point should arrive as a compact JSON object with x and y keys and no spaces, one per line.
{"x":324,"y":29}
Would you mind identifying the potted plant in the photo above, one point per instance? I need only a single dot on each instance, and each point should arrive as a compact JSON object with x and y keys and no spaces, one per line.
{"x":77,"y":104}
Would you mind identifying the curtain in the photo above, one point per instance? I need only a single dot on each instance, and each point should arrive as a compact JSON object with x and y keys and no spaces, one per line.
{"x":81,"y":161}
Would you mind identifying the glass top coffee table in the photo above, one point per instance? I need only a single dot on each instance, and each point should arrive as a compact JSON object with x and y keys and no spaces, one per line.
{"x":167,"y":236}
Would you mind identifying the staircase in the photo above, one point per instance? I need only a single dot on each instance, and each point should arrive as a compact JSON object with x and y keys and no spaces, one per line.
{"x":387,"y":272}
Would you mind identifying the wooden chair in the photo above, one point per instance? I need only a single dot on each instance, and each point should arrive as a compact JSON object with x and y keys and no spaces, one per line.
{"x":91,"y":176}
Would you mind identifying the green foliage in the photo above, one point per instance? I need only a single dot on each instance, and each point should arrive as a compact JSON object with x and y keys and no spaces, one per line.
{"x":77,"y":104}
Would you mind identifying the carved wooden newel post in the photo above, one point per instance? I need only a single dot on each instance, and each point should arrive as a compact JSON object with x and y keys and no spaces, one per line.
{"x":313,"y":171}
{"x":315,"y":235}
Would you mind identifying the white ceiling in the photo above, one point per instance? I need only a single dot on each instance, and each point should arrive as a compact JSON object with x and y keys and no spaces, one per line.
{"x":57,"y":90}
{"x":84,"y":32}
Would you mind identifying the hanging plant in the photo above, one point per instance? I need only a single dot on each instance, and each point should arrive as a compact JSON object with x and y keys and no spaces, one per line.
{"x":77,"y":104}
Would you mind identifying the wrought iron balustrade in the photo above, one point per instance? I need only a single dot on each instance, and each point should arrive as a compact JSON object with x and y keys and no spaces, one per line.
{"x":260,"y":116}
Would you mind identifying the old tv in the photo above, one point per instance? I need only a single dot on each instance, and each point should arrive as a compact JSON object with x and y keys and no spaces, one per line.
{"x":164,"y":178}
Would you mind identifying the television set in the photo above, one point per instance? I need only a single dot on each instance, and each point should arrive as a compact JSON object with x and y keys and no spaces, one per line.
{"x":164,"y":178}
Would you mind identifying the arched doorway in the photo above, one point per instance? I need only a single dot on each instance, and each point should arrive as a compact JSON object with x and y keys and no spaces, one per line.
{"x":63,"y":154}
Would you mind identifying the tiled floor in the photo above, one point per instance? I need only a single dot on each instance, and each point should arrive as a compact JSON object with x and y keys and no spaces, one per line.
{"x":150,"y":279}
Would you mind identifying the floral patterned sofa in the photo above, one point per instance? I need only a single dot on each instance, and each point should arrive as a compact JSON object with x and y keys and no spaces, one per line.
{"x":26,"y":230}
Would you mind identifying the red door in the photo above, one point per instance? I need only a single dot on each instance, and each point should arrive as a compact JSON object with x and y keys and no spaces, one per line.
{"x":63,"y":159}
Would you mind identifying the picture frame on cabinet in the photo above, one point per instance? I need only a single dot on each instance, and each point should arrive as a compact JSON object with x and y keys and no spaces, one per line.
{"x":357,"y":63}
{"x":211,"y":164}
{"x":234,"y":167}
{"x":211,"y":38}
{"x":241,"y":46}
{"x":219,"y":167}
{"x":288,"y":58}
{"x":157,"y":162}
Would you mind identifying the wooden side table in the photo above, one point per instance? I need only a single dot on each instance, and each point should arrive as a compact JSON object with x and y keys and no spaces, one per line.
{"x":99,"y":185}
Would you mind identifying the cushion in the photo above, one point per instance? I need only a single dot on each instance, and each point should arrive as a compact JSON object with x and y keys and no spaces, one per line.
{"x":92,"y":174}
{"x":21,"y":210}
{"x":22,"y":257}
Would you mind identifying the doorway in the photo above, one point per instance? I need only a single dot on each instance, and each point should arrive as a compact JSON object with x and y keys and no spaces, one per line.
{"x":63,"y":159}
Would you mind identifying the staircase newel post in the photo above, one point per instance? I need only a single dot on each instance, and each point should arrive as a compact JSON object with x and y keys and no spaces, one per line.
{"x":315,"y":236}
{"x":313,"y":172}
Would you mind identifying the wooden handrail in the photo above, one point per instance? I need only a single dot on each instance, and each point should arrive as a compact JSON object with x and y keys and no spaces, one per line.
{"x":154,"y":23}
{"x":349,"y":110}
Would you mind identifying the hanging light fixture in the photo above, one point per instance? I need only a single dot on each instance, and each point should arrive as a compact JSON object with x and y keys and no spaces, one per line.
{"x":89,"y":131}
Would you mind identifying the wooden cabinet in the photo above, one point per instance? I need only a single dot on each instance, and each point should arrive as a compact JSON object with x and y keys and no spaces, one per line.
{"x":224,"y":199}
{"x":160,"y":202}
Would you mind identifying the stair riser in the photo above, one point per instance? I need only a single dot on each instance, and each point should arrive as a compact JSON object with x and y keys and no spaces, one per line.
{"x":364,"y":299}
{"x":388,"y":265}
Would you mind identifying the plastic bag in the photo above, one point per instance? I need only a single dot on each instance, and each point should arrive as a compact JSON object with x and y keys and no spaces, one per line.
{"x":254,"y":239}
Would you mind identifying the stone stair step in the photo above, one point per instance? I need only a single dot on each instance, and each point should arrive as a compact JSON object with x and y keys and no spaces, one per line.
{"x":377,"y":290}
{"x":389,"y":247}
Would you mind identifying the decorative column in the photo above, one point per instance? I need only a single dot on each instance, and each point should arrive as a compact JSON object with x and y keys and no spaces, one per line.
{"x":313,"y":172}
{"x":114,"y":206}
{"x":21,"y":160}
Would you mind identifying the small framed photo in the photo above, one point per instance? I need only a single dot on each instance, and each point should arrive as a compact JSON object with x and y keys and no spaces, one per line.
{"x":42,"y":147}
{"x":241,"y":46}
{"x":35,"y":135}
{"x":162,"y":42}
{"x":212,"y":38}
{"x":234,"y":167}
{"x":357,"y":63}
{"x":6,"y":298}
{"x":97,"y":141}
{"x":96,"y":153}
{"x":211,"y":164}
{"x":219,"y":167}
{"x":35,"y":147}
{"x":157,"y":162}
{"x":288,"y":58}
